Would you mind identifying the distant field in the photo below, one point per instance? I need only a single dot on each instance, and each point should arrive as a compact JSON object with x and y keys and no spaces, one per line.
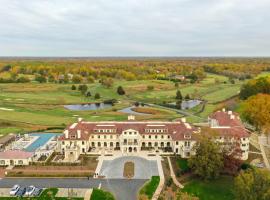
{"x":41,"y":105}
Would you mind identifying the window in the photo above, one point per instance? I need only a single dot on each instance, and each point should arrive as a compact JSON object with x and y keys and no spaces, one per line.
{"x":105,"y":136}
{"x":149,"y":136}
{"x":2,"y":162}
{"x":156,"y":136}
{"x":111,"y":136}
{"x":20,"y":162}
{"x":162,"y":136}
{"x":130,"y":133}
{"x":177,"y":143}
{"x":98,"y":136}
{"x":168,"y":137}
{"x":82,"y":142}
{"x":93,"y":144}
{"x":83,"y":150}
{"x":63,"y":143}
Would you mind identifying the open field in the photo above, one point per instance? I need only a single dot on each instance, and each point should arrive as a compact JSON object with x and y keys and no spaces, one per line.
{"x":34,"y":106}
{"x":220,"y":189}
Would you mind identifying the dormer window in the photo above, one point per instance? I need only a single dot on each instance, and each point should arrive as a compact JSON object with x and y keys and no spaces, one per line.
{"x":187,"y":136}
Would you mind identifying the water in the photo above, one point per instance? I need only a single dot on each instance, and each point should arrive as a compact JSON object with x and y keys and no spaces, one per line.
{"x":190,"y":104}
{"x":129,"y":111}
{"x":91,"y":106}
{"x":43,"y":138}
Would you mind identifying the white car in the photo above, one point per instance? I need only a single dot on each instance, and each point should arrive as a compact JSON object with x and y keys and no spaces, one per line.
{"x":29,"y":190}
{"x":14,"y":190}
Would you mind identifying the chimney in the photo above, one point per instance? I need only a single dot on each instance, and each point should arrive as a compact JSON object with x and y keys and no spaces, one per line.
{"x":66,"y":134}
{"x":232,"y":117}
{"x":223,"y":109}
{"x":183,"y":120}
{"x":78,"y":134}
{"x":80,"y":119}
{"x":230,"y":112}
{"x":131,"y":117}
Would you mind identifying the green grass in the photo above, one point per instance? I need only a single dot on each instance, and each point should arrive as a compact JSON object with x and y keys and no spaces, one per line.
{"x":220,"y":189}
{"x":37,"y":104}
{"x":48,"y":194}
{"x":182,"y":164}
{"x":150,"y":187}
{"x":98,"y":194}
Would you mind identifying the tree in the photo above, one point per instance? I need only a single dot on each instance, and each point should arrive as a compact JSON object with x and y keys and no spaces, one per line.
{"x":107,"y":82}
{"x":256,"y":111}
{"x":120,"y":90}
{"x":179,"y":95}
{"x":97,"y":96}
{"x":252,"y":184}
{"x":73,"y":87}
{"x":76,"y":79}
{"x":187,"y":97}
{"x":178,"y":104}
{"x":40,"y":79}
{"x":88,"y":94}
{"x":176,"y":85}
{"x":207,"y":163}
{"x":83,"y":88}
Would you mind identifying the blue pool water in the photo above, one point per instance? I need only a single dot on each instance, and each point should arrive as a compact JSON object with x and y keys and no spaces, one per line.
{"x":43,"y":138}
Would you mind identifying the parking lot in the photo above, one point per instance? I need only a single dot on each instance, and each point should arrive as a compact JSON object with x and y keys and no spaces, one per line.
{"x":123,"y":189}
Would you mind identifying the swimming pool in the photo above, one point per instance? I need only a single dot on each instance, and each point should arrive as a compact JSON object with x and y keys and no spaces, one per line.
{"x":43,"y":138}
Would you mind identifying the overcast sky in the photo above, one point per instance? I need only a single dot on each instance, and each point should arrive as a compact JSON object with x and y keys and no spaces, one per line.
{"x":135,"y":28}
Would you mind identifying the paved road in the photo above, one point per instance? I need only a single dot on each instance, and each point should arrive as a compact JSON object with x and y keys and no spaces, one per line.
{"x":144,"y":169}
{"x":123,"y":189}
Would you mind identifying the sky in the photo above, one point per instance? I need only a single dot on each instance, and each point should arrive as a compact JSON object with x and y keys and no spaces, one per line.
{"x":134,"y":28}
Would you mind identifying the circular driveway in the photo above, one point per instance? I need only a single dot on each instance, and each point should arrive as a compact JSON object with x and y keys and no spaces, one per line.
{"x":144,"y":169}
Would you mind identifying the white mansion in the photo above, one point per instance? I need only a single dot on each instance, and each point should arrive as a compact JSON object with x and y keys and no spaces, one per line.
{"x":131,"y":136}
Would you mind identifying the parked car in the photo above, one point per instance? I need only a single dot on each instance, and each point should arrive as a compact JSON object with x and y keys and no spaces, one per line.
{"x":14,"y":190}
{"x":29,"y":190}
{"x":21,"y":192}
{"x":37,"y":192}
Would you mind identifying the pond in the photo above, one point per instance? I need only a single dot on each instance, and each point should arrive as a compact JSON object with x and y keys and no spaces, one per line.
{"x":129,"y":110}
{"x":190,"y":104}
{"x":90,"y":106}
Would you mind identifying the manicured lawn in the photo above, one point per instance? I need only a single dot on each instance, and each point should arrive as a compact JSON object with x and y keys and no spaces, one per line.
{"x":98,"y":194}
{"x":182,"y":164}
{"x":150,"y":187}
{"x":37,"y":104}
{"x":220,"y":189}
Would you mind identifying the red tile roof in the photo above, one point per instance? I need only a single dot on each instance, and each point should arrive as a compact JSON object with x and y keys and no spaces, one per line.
{"x":229,"y":124}
{"x":15,"y":154}
{"x":177,"y":130}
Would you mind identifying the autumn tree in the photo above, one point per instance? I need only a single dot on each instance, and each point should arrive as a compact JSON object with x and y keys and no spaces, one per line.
{"x":207,"y":163}
{"x":257,"y":112}
{"x":76,"y":79}
{"x":252,"y":184}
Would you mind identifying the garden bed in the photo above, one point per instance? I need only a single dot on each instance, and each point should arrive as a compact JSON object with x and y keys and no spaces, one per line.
{"x":129,"y":168}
